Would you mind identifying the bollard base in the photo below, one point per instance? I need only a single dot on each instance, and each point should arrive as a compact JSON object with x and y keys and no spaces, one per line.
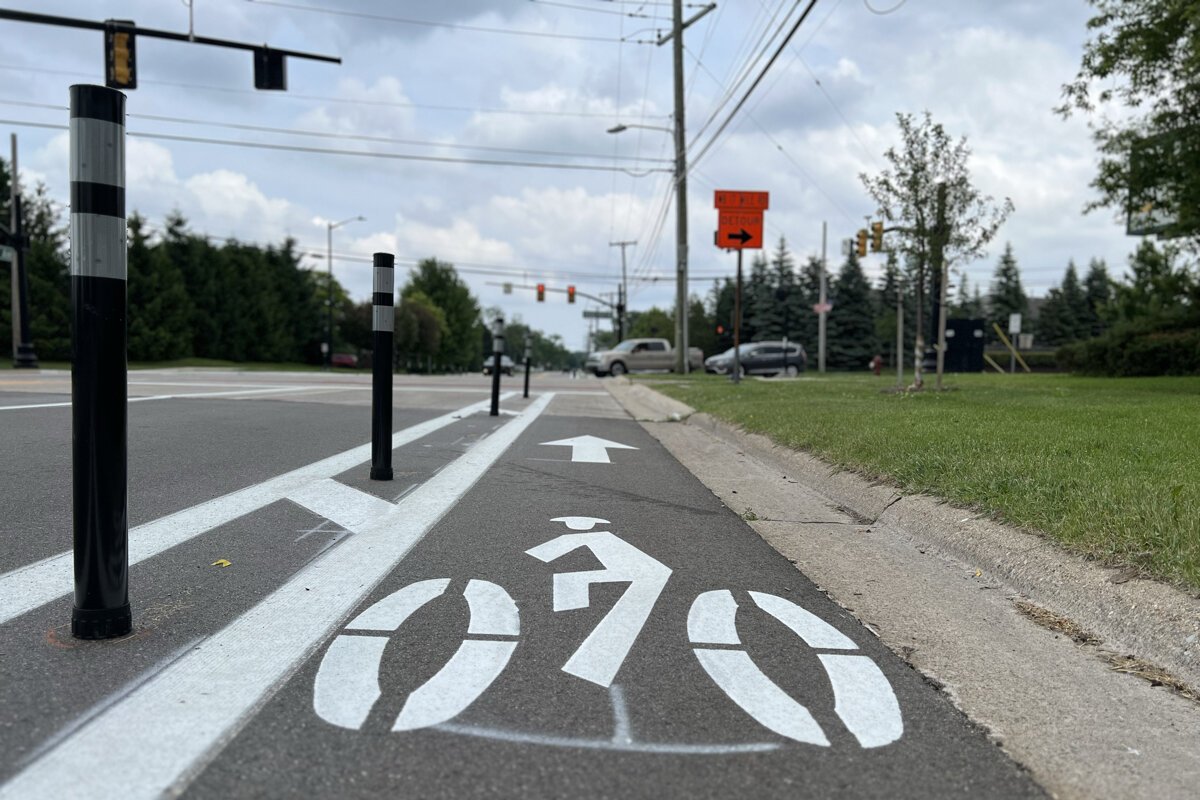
{"x":105,"y":623}
{"x":381,"y":473}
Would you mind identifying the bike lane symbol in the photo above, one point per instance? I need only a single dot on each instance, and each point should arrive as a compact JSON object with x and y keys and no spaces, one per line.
{"x":347,"y":682}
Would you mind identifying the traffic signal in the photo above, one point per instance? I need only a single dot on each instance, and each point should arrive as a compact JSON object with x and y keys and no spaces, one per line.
{"x":270,"y":70}
{"x":120,"y":54}
{"x":861,"y":247}
{"x":720,"y":330}
{"x":876,"y":237}
{"x":570,"y":294}
{"x":541,"y":292}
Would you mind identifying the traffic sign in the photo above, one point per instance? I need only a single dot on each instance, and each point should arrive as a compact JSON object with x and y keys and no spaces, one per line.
{"x":740,"y":230}
{"x":8,"y":253}
{"x":596,"y":314}
{"x":741,"y":201}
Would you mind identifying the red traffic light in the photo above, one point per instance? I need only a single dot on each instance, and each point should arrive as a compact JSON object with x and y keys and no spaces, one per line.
{"x":570,"y":294}
{"x":541,"y":289}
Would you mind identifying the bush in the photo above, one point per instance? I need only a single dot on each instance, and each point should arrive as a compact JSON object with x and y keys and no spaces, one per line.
{"x":1169,"y":346}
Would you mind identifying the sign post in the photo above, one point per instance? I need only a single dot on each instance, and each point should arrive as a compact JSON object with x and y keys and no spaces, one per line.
{"x":383,"y":325}
{"x":739,"y":227}
{"x":497,"y":352}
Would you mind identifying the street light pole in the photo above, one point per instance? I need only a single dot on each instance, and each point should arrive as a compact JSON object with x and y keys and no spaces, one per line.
{"x":624,"y":289}
{"x":329,"y":226}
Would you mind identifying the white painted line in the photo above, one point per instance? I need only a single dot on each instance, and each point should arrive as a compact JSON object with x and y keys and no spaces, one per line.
{"x":589,"y":449}
{"x":622,"y":729}
{"x":815,"y":631}
{"x":144,"y":398}
{"x":864,"y":699}
{"x":347,"y":684}
{"x":170,"y":728}
{"x":390,"y":613}
{"x":493,"y":612}
{"x":758,"y":695}
{"x":339,"y":503}
{"x":663,"y":748}
{"x":468,"y":673}
{"x":711,"y":619}
{"x":28,"y":587}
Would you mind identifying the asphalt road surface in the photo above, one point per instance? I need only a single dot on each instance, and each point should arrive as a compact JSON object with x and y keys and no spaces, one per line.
{"x":540,"y":604}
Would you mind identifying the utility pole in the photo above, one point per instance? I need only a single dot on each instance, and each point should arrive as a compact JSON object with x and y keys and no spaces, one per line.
{"x":682,"y":361}
{"x":23,"y":355}
{"x":939,"y":264}
{"x":822,"y":301}
{"x":624,"y":294}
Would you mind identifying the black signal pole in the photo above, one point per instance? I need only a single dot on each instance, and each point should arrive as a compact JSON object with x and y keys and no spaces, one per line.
{"x":528,"y":359}
{"x":23,"y":354}
{"x":497,"y":352}
{"x":98,"y":369}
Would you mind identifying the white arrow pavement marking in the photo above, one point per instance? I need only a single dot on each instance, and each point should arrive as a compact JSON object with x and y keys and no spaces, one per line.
{"x":170,"y":728}
{"x":589,"y":449}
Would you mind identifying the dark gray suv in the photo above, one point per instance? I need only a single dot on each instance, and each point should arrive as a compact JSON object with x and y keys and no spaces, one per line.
{"x":762,"y":358}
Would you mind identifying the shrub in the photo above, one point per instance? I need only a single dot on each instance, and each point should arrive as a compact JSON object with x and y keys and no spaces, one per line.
{"x":1165,"y":346}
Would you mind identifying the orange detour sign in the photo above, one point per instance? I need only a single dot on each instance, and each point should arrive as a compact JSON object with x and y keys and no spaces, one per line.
{"x":740,"y":219}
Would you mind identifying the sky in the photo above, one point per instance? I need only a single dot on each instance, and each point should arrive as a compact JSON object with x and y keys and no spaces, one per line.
{"x":536,"y":84}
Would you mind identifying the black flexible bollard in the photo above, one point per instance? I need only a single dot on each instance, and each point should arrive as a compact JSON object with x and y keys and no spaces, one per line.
{"x":497,"y":352}
{"x":528,"y":358}
{"x":98,"y":393}
{"x":383,"y":325}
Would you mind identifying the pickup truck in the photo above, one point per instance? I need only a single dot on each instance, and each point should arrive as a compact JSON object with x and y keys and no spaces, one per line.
{"x":633,"y":355}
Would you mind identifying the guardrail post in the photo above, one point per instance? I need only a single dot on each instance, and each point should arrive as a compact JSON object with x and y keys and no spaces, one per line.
{"x":99,"y":412}
{"x":383,"y":324}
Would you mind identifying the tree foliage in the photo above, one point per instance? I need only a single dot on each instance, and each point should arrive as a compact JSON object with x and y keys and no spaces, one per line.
{"x":1144,"y":56}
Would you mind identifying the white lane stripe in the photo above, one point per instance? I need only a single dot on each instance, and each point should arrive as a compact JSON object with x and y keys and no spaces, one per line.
{"x":815,"y":631}
{"x":864,"y":699}
{"x":164,"y":733}
{"x":26,"y":588}
{"x":144,"y":398}
{"x":468,"y":673}
{"x":339,"y":503}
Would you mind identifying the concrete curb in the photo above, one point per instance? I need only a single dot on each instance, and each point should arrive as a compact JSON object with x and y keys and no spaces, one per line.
{"x":1143,"y":618}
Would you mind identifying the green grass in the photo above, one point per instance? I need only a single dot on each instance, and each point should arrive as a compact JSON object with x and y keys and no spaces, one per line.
{"x":1108,"y":467}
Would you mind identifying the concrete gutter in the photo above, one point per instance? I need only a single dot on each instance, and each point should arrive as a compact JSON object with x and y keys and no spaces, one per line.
{"x":953,"y":591}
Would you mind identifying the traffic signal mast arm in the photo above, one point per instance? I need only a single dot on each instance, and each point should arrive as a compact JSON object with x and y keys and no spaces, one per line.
{"x":87,"y":24}
{"x":545,"y":288}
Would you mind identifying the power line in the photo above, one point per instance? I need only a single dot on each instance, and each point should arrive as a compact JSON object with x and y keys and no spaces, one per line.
{"x":326,"y":98}
{"x":591,"y":9}
{"x":340,"y":136}
{"x":430,"y":23}
{"x":757,"y":81}
{"x":488,"y":162}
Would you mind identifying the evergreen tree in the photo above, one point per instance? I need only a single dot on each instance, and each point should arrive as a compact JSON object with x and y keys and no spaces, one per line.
{"x":720,"y":300}
{"x":701,"y":327}
{"x":1076,"y":305}
{"x":806,"y":327}
{"x":159,"y":310}
{"x":885,"y":321}
{"x":852,"y":337}
{"x":652,"y":324}
{"x":463,"y":344}
{"x":1098,"y":288}
{"x":758,"y":302}
{"x":1007,"y":297}
{"x":1156,"y":286}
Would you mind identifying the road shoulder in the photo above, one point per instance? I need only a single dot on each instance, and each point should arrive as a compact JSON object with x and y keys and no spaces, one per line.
{"x":944,"y":589}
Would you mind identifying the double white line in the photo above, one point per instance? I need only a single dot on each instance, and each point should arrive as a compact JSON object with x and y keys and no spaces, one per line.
{"x":159,"y":737}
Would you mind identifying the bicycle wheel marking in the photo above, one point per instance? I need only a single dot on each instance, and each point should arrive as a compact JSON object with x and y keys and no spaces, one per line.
{"x":347,"y":683}
{"x":863,"y":698}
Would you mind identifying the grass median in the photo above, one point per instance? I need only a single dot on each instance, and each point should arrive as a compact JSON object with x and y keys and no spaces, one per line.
{"x":1108,"y":467}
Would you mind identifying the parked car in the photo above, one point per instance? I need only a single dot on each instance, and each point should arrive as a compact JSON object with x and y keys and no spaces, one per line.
{"x":506,"y":365}
{"x":344,"y":360}
{"x":634,"y":355}
{"x":762,"y":358}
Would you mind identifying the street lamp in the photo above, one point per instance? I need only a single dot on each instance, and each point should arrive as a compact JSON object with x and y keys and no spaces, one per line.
{"x":329,"y":226}
{"x":682,"y":362}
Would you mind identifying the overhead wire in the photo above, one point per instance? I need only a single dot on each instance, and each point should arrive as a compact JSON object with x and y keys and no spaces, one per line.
{"x":333,"y":135}
{"x":456,"y":26}
{"x":356,"y":153}
{"x":327,"y":98}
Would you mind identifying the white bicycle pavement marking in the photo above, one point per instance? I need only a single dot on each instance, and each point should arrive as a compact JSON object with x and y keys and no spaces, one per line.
{"x":26,"y":588}
{"x":169,"y":728}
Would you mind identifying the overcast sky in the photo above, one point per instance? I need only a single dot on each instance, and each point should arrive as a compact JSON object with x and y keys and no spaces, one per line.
{"x":540,"y":81}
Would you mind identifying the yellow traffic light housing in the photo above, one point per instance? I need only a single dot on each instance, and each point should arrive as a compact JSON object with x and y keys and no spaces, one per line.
{"x":120,"y":54}
{"x":861,"y":246}
{"x":876,"y":237}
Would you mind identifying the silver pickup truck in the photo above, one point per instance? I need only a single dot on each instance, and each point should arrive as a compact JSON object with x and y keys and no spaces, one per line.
{"x":635,"y":355}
